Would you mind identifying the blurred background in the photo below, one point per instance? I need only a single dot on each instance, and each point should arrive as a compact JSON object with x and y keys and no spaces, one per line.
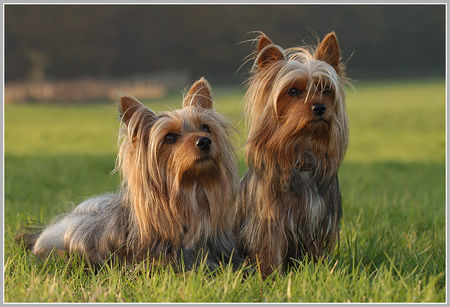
{"x":79,"y":53}
{"x":65,"y":63}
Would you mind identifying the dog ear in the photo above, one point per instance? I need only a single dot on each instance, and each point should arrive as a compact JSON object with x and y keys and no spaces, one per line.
{"x":328,"y":51}
{"x":267,"y":52}
{"x":128,"y":106}
{"x":264,"y":41}
{"x":199,"y":95}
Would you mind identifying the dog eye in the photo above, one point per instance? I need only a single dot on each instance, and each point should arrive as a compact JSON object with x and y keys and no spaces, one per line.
{"x":205,"y":128}
{"x":171,"y":138}
{"x":294,"y":92}
{"x":326,"y":90}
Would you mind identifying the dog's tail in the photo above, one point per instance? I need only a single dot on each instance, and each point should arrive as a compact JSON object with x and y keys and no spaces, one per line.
{"x":27,"y":235}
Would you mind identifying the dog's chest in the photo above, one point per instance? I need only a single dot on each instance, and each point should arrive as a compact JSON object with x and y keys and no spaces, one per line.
{"x":303,"y":185}
{"x":304,"y":200}
{"x":303,"y":180}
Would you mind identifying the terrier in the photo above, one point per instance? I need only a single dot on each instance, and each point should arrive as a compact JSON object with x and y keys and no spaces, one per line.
{"x":176,"y":199}
{"x":289,"y":203}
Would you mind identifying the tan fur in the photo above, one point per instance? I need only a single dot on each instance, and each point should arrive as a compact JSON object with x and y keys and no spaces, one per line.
{"x":174,"y":198}
{"x":289,"y":201}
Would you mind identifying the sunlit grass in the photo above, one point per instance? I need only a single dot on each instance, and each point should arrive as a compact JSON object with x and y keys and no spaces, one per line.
{"x":392,"y":239}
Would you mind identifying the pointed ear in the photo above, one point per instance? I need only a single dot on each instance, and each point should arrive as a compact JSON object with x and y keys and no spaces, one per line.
{"x":328,"y":51}
{"x":264,"y":41}
{"x":199,"y":95}
{"x":128,"y":105}
{"x":267,"y":52}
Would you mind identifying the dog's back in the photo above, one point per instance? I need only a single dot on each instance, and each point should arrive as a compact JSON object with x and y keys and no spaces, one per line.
{"x":90,"y":228}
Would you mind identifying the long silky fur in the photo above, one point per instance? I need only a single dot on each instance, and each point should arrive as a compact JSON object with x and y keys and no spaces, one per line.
{"x":285,"y":213}
{"x":156,"y":212}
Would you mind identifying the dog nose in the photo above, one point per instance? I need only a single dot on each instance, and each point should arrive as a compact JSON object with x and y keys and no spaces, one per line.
{"x":318,"y":108}
{"x":204,"y":143}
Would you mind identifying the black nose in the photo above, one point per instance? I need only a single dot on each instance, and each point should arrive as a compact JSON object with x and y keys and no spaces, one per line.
{"x":204,"y":143}
{"x":318,"y":108}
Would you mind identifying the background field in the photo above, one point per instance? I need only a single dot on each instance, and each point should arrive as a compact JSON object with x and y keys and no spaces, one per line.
{"x":392,"y":244}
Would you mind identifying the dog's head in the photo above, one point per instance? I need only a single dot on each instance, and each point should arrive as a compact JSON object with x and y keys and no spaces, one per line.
{"x":177,"y":161}
{"x":295,"y":97}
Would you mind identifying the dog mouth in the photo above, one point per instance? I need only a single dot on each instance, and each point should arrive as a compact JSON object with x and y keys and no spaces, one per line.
{"x":203,"y":159}
{"x":319,"y":120}
{"x":201,"y":166}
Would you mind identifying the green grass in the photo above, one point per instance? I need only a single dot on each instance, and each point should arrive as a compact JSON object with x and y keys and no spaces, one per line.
{"x":392,"y":246}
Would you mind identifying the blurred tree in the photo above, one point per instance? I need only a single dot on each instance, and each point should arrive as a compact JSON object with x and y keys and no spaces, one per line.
{"x":37,"y":63}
